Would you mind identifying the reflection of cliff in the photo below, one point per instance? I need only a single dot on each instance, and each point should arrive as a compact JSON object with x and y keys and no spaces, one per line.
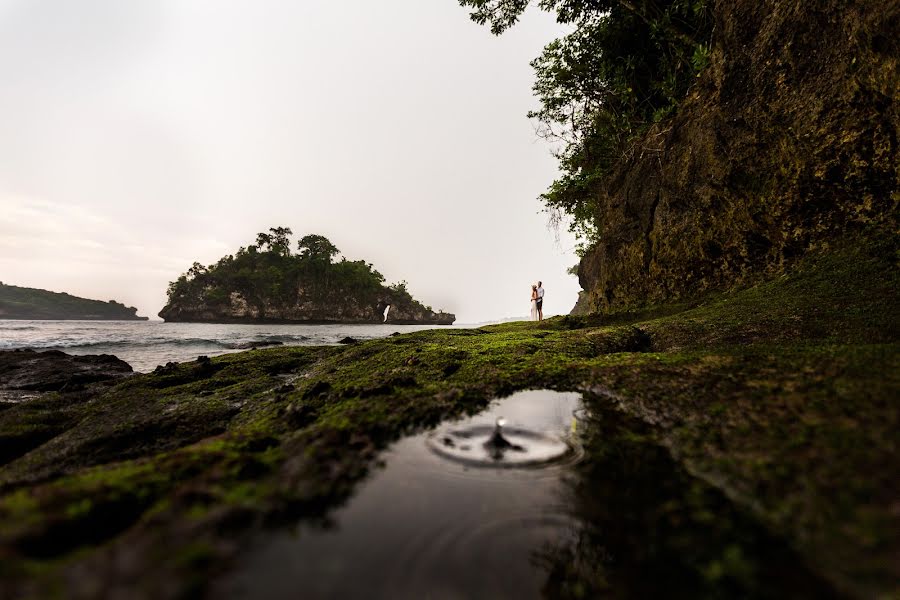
{"x":266,"y":283}
{"x":788,"y":138}
{"x":651,"y":530}
{"x":30,"y":303}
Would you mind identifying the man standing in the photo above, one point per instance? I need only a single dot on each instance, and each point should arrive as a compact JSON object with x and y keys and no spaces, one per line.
{"x":540,"y":301}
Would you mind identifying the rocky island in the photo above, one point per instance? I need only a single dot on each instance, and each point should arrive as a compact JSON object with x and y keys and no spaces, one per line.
{"x":267,"y":283}
{"x":31,"y":303}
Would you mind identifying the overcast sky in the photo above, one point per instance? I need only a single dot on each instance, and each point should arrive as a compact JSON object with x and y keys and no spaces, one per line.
{"x":139,"y":136}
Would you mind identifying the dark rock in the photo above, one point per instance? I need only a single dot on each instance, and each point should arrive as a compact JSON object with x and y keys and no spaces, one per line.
{"x":53,"y":371}
{"x":300,"y":415}
{"x":317,"y":389}
{"x":348,"y":340}
{"x":451,"y":369}
{"x":173,"y":374}
{"x":255,"y":344}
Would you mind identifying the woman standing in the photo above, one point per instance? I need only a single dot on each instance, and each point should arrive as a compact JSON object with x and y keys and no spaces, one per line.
{"x":534,"y":298}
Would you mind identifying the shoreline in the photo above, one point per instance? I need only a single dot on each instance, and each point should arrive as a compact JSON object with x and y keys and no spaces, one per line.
{"x":776,"y":395}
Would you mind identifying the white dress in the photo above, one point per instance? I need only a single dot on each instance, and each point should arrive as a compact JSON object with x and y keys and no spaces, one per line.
{"x":534,"y":310}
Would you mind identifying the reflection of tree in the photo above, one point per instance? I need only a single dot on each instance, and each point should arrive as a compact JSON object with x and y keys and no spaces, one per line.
{"x":649,"y":529}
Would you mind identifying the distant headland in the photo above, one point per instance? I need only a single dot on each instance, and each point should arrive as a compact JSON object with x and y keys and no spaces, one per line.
{"x":35,"y":304}
{"x":267,"y":283}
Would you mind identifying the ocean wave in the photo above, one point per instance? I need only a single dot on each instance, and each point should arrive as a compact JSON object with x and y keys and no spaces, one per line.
{"x":227,"y":344}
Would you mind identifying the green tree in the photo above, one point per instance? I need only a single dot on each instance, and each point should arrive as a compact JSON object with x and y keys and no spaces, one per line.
{"x":625,"y":65}
{"x":317,"y":248}
{"x":278,"y":240}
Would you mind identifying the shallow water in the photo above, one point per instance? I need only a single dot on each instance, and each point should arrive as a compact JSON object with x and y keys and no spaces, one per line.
{"x":146,"y":344}
{"x":614,"y":518}
{"x":428,"y":527}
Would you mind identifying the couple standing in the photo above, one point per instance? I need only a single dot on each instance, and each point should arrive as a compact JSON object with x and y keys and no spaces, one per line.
{"x":537,"y":302}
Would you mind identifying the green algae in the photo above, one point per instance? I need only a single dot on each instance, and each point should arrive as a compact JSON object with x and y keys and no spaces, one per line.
{"x":779,"y":395}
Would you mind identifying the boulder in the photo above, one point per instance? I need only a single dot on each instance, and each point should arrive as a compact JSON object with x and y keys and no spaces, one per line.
{"x":54,"y":371}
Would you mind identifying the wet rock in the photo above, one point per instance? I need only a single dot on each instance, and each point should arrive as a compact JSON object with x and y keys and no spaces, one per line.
{"x":300,"y":415}
{"x":169,"y":367}
{"x":53,"y":371}
{"x":348,"y":340}
{"x":318,"y":389}
{"x":255,"y":344}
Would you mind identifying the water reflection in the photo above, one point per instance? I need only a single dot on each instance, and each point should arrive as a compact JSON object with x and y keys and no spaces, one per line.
{"x":619,"y":519}
{"x":648,"y":529}
{"x":426,"y":527}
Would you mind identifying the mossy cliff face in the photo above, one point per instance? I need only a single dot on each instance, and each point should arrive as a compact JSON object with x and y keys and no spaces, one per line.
{"x":788,"y":138}
{"x":780,"y":396}
{"x":305,"y":308}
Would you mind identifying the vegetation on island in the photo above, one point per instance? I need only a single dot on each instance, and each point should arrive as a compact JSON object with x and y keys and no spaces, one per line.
{"x":267,"y":280}
{"x":31,"y":303}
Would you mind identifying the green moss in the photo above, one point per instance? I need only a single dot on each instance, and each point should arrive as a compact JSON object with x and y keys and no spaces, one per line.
{"x":778,"y":393}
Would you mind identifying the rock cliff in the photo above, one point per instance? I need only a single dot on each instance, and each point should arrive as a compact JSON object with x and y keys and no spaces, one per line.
{"x":305,"y":308}
{"x":788,"y":138}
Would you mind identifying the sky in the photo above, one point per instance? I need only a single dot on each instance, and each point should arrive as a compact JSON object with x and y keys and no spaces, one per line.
{"x":138,"y":137}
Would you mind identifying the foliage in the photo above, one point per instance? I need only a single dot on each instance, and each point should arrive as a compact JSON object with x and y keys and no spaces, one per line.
{"x":268,"y":271}
{"x":30,"y":303}
{"x":277,"y":240}
{"x":625,"y":65}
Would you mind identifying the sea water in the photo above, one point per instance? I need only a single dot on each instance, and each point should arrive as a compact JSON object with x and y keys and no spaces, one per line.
{"x":146,"y":344}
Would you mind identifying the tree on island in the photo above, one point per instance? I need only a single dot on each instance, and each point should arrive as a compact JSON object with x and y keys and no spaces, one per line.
{"x":278,"y":240}
{"x":317,"y":248}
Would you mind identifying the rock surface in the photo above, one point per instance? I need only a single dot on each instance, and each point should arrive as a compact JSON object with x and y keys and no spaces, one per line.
{"x":304,"y":308}
{"x":54,"y":371}
{"x":789,"y":137}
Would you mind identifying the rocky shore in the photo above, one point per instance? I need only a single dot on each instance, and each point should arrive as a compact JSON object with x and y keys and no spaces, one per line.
{"x":777,"y":397}
{"x":55,"y":371}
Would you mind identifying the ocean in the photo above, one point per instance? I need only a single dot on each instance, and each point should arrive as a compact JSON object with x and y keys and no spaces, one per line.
{"x":146,"y":344}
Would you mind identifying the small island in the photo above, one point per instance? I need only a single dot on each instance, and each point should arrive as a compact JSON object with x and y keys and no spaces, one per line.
{"x":267,"y":283}
{"x":35,"y":304}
